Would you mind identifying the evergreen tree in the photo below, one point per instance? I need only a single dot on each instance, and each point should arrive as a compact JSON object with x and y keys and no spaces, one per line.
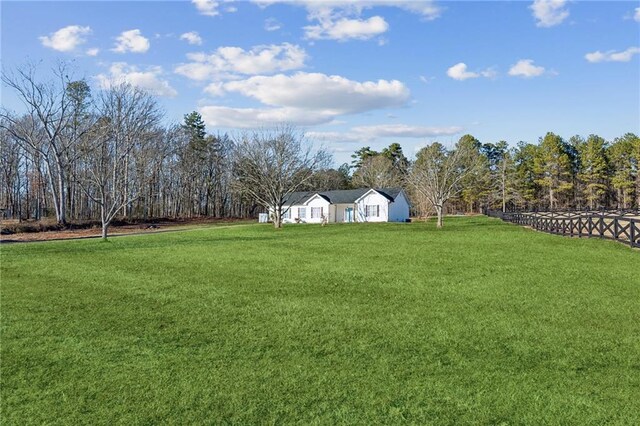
{"x":361,"y":155}
{"x":594,"y":170}
{"x":502,"y":169}
{"x":575,"y":147}
{"x":394,"y":153}
{"x":553,"y":167}
{"x":194,"y":126}
{"x":477,"y":185}
{"x":526,"y":187}
{"x":624,"y":167}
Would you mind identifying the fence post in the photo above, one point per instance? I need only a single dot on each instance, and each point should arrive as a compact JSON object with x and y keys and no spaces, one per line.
{"x":579,"y":226}
{"x":570,"y":227}
{"x":601,"y":224}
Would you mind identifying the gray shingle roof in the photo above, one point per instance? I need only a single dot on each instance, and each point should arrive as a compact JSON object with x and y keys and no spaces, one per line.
{"x":344,"y":196}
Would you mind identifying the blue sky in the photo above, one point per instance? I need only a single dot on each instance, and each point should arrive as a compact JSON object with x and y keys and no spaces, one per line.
{"x":354,"y":73}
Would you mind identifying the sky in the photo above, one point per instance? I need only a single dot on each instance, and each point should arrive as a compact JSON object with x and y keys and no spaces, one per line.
{"x":353,"y":73}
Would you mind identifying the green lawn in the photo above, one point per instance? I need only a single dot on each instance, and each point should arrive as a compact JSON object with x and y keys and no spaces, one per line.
{"x":481,"y":322}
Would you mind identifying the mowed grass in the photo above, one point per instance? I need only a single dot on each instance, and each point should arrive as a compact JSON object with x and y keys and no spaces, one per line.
{"x":481,"y":322}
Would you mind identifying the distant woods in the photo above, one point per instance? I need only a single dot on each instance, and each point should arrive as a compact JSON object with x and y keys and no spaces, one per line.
{"x":73,"y":154}
{"x":77,"y":155}
{"x":555,"y":173}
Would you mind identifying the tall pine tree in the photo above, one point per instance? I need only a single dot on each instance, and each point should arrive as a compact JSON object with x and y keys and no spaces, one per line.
{"x":553,"y":166}
{"x":594,"y":170}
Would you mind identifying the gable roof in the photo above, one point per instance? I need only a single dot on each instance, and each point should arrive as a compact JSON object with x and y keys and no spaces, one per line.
{"x":343,"y":196}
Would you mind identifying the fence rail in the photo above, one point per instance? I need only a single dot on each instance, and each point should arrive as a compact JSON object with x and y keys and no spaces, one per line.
{"x":619,"y":225}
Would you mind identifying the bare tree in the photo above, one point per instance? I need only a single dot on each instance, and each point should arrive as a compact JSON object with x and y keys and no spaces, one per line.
{"x":10,"y":160}
{"x":272,"y":164}
{"x":377,"y":171}
{"x":49,"y":126}
{"x":437,"y":173}
{"x":127,"y":120}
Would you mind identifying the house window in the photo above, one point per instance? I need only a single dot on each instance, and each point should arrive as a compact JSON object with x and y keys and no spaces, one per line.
{"x":372,"y":211}
{"x":286,"y":214}
{"x":302,"y":212}
{"x":316,"y":212}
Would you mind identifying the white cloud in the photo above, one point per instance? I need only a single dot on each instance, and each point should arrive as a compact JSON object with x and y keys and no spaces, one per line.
{"x":341,"y":19}
{"x":636,"y":15}
{"x":549,"y":12}
{"x":272,"y":24}
{"x":612,"y":56}
{"x":221,"y":116}
{"x":303,"y":99}
{"x":344,"y":29}
{"x":212,"y":7}
{"x":525,"y":68}
{"x":489,"y":73}
{"x":405,"y":131}
{"x":320,"y":92}
{"x":215,"y":89}
{"x":226,"y":62}
{"x":207,"y":7}
{"x":66,"y":39}
{"x":131,"y":41}
{"x":149,"y":79}
{"x":427,"y":9}
{"x":335,"y":136}
{"x":92,"y":51}
{"x":459,"y":72}
{"x":192,"y":37}
{"x":371,"y":133}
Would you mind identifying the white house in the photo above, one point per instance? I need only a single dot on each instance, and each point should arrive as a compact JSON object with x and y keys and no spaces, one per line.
{"x":351,"y":205}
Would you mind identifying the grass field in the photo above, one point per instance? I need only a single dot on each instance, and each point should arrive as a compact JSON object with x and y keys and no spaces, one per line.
{"x":481,"y":322}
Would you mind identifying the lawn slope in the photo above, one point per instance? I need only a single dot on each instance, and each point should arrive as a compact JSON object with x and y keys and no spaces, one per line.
{"x":480,"y":322}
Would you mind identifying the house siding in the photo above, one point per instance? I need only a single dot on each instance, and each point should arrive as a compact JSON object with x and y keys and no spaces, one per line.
{"x":372,"y":199}
{"x":399,"y":209}
{"x":389,"y":211}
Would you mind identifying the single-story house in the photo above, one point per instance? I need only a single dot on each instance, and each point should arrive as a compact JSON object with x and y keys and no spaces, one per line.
{"x":351,"y":205}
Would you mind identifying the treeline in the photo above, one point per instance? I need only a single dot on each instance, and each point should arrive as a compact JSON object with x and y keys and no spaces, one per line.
{"x":77,"y":155}
{"x":555,"y":173}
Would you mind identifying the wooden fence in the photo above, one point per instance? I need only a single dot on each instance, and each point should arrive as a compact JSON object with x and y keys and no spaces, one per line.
{"x":619,"y":225}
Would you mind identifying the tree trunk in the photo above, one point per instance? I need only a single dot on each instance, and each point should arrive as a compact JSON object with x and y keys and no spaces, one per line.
{"x":103,"y":218}
{"x":504,"y":197}
{"x":62,"y":215}
{"x":277,"y":217}
{"x":439,"y":212}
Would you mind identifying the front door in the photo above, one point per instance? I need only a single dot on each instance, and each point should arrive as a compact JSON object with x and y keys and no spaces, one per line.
{"x":348,"y":214}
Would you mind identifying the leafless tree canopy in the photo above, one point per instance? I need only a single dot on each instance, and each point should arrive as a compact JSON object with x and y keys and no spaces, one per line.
{"x":437,"y":173}
{"x":49,"y":129}
{"x":377,"y":172}
{"x":82,"y":155}
{"x":127,"y":122}
{"x":272,"y":164}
